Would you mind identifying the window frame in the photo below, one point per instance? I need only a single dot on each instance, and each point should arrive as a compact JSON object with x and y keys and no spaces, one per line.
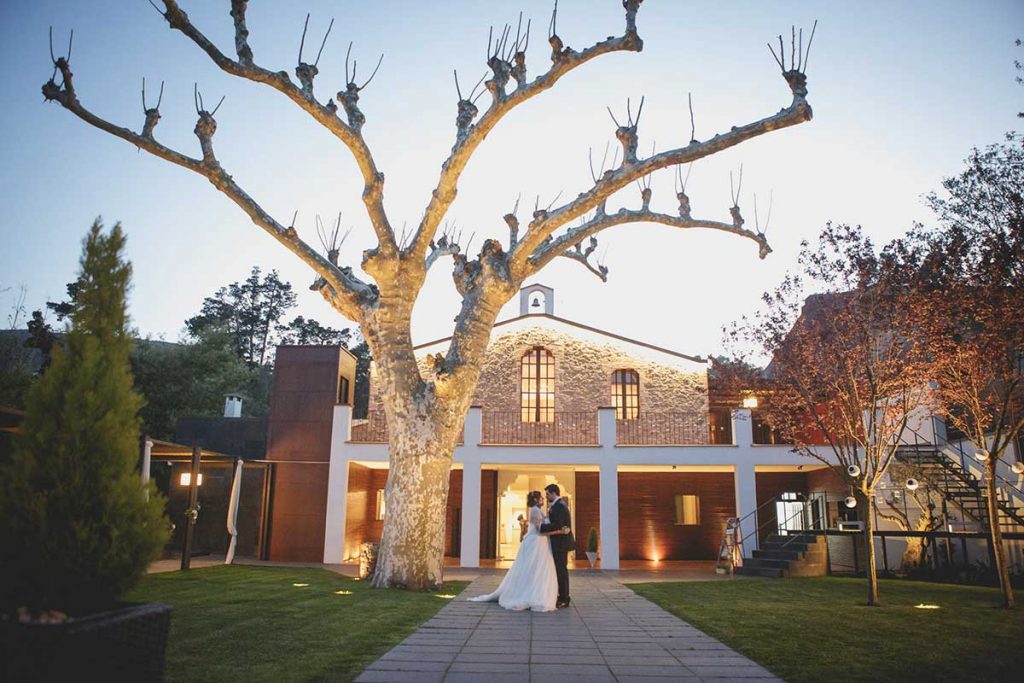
{"x":537,"y":371}
{"x":681,"y":509}
{"x":621,"y":395}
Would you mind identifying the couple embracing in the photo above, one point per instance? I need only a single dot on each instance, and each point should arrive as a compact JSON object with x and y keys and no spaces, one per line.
{"x":539,"y":579}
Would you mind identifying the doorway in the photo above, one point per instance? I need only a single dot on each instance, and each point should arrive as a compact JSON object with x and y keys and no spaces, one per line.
{"x":514,"y":484}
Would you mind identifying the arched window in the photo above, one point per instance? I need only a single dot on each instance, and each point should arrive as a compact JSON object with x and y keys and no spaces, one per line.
{"x":537,"y":386}
{"x":626,"y":394}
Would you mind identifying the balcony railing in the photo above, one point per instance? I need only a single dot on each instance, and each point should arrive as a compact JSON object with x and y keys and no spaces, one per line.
{"x":663,"y":429}
{"x":374,"y":429}
{"x":567,"y":429}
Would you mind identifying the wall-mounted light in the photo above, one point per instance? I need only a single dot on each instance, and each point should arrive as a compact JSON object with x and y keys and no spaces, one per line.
{"x":186,"y":479}
{"x":912,"y":484}
{"x":851,"y":502}
{"x":981,"y":456}
{"x":750,"y":402}
{"x":1017,"y":467}
{"x":853,"y":471}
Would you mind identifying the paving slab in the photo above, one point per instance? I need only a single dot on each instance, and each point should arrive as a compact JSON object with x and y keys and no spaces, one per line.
{"x":609,"y":633}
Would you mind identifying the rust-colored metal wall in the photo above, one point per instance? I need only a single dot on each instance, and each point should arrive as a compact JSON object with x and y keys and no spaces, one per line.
{"x":302,"y":400}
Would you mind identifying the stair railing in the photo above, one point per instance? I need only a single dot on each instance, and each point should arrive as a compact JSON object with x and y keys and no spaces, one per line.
{"x":757,"y":525}
{"x":807,"y":503}
{"x":957,"y":462}
{"x":805,"y":507}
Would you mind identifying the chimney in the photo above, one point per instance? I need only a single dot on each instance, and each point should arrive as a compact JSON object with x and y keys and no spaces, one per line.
{"x":536,"y":299}
{"x":233,"y":406}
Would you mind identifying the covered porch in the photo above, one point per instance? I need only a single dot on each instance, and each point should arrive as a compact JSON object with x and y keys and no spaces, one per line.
{"x":648,"y":503}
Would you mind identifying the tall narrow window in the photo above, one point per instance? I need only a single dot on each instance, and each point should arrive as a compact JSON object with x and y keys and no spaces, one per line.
{"x":343,"y":391}
{"x":626,"y":394}
{"x":537,"y":382}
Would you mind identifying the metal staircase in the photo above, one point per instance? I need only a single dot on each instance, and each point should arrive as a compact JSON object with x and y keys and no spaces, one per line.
{"x":948,"y":470}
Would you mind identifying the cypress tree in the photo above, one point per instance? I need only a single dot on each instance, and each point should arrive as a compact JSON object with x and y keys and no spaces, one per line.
{"x":77,"y":528}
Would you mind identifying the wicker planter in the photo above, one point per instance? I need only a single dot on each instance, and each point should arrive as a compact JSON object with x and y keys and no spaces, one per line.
{"x":127,"y":643}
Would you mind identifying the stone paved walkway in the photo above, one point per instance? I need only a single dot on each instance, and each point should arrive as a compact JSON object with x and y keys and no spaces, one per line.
{"x":609,"y":634}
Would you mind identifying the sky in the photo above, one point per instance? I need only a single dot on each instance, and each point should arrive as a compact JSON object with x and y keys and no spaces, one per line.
{"x":901,"y":92}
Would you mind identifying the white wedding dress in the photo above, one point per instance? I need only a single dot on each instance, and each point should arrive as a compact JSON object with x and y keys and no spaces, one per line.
{"x":531,"y":582}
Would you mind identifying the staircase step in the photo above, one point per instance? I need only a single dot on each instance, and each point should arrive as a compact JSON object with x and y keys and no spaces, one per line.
{"x":767,"y":562}
{"x":761,"y":571}
{"x":773,"y":554}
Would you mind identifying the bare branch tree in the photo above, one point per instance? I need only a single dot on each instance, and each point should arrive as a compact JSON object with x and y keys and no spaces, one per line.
{"x":425,"y":405}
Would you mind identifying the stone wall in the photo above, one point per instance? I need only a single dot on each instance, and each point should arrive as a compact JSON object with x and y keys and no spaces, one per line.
{"x":584,"y":364}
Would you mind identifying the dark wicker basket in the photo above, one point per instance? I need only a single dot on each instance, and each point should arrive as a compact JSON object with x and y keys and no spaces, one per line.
{"x":124,"y":644}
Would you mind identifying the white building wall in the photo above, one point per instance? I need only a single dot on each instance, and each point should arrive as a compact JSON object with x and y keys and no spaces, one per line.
{"x":743,"y":457}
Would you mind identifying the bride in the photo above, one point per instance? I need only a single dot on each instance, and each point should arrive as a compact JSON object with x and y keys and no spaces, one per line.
{"x":531,"y":582}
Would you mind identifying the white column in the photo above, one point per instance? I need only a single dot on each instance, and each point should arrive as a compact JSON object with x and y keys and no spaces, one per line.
{"x":746,"y":502}
{"x":609,"y":490}
{"x":472,"y":427}
{"x":609,"y":515}
{"x":337,"y":487}
{"x":469,"y":550}
{"x":742,"y":427}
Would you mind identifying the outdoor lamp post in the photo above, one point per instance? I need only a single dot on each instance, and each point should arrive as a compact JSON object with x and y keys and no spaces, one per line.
{"x":192,"y":510}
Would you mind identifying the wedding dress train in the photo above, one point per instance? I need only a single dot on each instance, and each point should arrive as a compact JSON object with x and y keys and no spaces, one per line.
{"x":531,"y":582}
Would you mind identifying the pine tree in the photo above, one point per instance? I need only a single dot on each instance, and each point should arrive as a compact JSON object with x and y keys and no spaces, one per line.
{"x":77,"y":528}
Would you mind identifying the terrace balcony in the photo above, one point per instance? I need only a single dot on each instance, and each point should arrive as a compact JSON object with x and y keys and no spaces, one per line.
{"x":506,"y":428}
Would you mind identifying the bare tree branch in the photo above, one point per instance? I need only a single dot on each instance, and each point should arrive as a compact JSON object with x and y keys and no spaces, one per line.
{"x":340,"y":286}
{"x":545,"y":223}
{"x":579,"y":254}
{"x":471,"y":135}
{"x":446,"y":245}
{"x":567,"y":244}
{"x":350,"y":135}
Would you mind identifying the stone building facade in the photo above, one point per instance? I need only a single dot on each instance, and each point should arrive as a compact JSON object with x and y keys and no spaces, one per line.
{"x":621,"y":426}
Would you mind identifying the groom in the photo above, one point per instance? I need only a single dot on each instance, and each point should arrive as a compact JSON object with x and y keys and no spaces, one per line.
{"x":561,"y":544}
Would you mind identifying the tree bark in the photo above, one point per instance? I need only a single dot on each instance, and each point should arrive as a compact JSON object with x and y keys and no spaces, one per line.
{"x":871,"y":569}
{"x":425,"y":419}
{"x":1002,"y":571}
{"x":411,"y":551}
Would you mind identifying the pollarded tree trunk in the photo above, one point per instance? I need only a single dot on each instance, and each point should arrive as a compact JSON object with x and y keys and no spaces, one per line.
{"x":412,"y":547}
{"x":425,"y":419}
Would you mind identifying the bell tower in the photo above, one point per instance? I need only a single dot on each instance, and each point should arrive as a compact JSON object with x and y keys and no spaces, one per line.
{"x":536,"y":298}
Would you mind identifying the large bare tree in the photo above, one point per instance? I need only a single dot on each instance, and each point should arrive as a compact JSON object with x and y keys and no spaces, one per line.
{"x":425,"y":406}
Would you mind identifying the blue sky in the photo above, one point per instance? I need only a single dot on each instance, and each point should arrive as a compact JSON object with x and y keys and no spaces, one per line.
{"x":901,"y":92}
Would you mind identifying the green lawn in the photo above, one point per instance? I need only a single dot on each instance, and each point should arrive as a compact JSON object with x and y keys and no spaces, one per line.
{"x":253,"y":624}
{"x":818,"y":629}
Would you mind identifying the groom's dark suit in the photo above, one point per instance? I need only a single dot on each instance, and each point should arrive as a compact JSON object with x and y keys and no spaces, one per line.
{"x":558,"y":517}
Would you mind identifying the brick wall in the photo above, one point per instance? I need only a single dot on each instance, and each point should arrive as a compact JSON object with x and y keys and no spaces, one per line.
{"x":647,"y":528}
